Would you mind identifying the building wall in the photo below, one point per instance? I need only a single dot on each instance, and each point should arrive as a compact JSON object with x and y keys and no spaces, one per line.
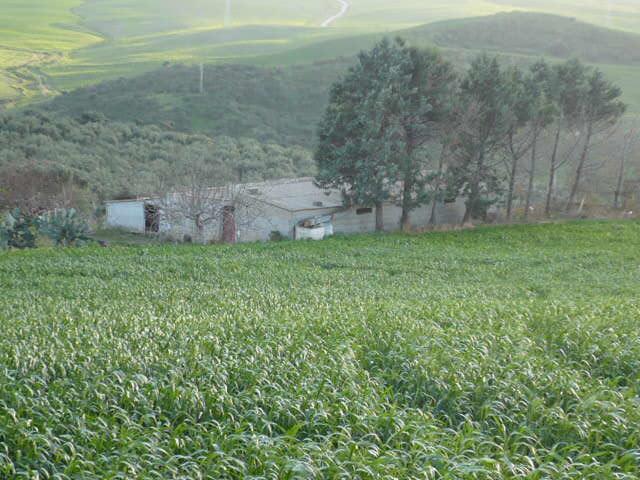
{"x":126,"y":215}
{"x":349,"y":221}
{"x":257,"y":222}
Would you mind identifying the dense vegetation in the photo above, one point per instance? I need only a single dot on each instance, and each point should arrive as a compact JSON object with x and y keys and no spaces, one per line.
{"x":42,"y":154}
{"x":402,"y":126}
{"x":281,"y":105}
{"x":275,"y":105}
{"x":491,"y":354}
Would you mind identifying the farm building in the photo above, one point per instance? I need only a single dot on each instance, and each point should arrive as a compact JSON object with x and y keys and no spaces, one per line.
{"x":260,"y":211}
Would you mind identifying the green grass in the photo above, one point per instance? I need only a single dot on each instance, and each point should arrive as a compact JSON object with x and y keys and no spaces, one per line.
{"x":497,"y":353}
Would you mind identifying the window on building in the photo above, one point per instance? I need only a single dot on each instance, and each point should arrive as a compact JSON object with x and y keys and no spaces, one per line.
{"x":364,"y":211}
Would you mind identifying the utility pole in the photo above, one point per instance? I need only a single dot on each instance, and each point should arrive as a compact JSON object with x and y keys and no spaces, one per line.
{"x":201,"y":78}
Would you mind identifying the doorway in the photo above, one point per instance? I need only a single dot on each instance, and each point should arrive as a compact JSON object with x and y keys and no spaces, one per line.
{"x":151,"y":218}
{"x":229,"y":229}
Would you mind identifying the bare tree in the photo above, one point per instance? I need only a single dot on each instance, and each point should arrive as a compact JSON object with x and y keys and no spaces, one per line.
{"x":601,"y":111}
{"x":631,"y":139}
{"x":199,"y":196}
{"x":560,"y":157}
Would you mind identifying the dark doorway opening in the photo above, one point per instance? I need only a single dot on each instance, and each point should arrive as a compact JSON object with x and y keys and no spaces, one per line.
{"x":229,"y":229}
{"x":151,"y":218}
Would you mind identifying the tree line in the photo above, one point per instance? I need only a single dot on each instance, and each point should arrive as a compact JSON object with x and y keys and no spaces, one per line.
{"x":403,"y":126}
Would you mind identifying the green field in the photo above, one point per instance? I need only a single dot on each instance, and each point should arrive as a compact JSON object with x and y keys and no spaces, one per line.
{"x":54,"y":45}
{"x":497,"y":353}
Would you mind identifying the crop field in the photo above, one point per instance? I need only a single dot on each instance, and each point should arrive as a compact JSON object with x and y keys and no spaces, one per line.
{"x":496,"y":353}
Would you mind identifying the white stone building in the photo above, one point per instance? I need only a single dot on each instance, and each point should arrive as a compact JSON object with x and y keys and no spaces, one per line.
{"x":266,"y":208}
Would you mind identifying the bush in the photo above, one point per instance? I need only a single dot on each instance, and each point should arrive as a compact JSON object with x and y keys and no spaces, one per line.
{"x":276,"y":236}
{"x":19,"y":230}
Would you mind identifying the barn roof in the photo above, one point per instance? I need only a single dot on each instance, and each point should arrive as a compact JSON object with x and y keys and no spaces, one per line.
{"x":294,"y":195}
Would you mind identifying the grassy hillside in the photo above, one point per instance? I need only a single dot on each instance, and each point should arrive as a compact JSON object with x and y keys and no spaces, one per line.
{"x":501,"y":353}
{"x":517,"y":33}
{"x":283,"y":104}
{"x":55,"y":45}
{"x":34,"y":33}
{"x":271,"y":104}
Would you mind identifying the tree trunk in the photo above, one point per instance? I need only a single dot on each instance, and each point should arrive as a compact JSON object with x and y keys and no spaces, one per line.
{"x":379,"y":217}
{"x":619,"y":184}
{"x":434,"y":201}
{"x":552,"y":174}
{"x":532,"y":173}
{"x":512,"y":181}
{"x":405,"y":221}
{"x":579,"y":170}
{"x":474,"y":190}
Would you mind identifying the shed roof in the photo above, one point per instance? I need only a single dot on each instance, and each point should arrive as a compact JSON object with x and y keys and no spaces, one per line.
{"x":129,"y":200}
{"x":296,"y":194}
{"x":293,"y":195}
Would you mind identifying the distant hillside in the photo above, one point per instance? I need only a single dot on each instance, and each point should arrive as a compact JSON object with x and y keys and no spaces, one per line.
{"x":281,"y":105}
{"x":284,"y":104}
{"x":534,"y":34}
{"x":521,"y":33}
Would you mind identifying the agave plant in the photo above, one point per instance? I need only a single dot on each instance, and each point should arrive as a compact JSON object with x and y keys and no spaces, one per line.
{"x":65,"y":228}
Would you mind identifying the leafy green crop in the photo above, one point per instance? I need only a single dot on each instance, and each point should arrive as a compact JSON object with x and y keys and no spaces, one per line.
{"x":496,"y":353}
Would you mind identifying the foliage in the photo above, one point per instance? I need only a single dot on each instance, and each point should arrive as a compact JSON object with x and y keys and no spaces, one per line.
{"x":357,"y":150}
{"x":518,"y":359}
{"x":65,"y":228}
{"x":381,"y":123}
{"x":485,"y":115}
{"x":19,"y":230}
{"x":600,"y":110}
{"x":277,"y":236}
{"x":272,"y":105}
{"x":110,"y":158}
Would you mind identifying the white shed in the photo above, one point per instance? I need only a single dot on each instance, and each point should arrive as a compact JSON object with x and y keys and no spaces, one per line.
{"x":126,"y":214}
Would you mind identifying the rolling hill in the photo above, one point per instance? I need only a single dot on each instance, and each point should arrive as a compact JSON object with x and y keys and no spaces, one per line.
{"x":54,"y":45}
{"x":283,"y":104}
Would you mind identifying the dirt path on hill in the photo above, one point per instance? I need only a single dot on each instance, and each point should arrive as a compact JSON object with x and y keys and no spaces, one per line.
{"x":344,"y":7}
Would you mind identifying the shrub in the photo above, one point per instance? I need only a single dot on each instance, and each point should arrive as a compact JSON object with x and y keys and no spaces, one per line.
{"x":65,"y":228}
{"x":19,"y":230}
{"x":276,"y":236}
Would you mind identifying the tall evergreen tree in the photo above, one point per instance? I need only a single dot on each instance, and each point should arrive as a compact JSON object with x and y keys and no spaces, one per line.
{"x":381,"y":120}
{"x":355,"y":151}
{"x":543,"y":112}
{"x":427,"y":102}
{"x":485,"y":120}
{"x":518,"y":140}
